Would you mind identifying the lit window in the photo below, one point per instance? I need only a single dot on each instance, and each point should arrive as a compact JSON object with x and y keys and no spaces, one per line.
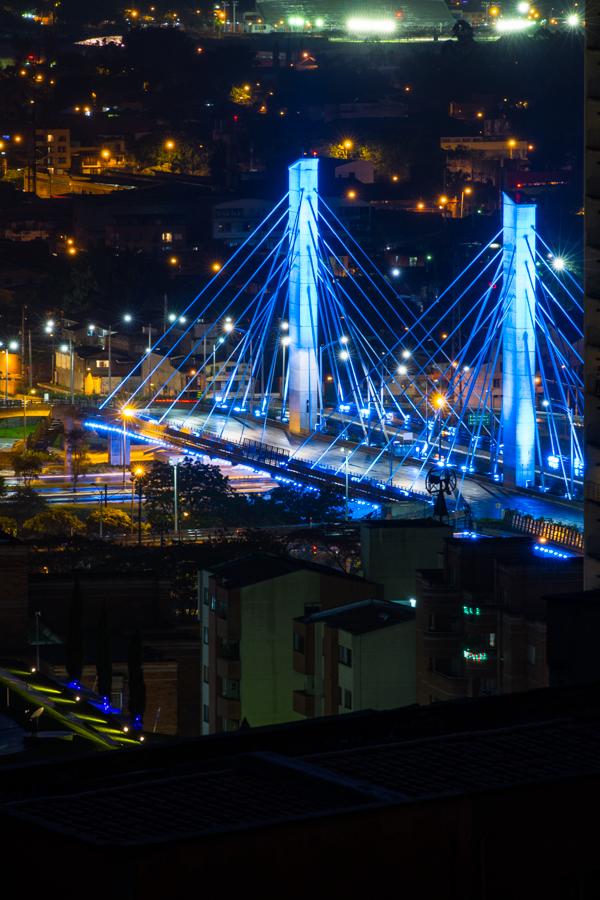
{"x":167,"y":237}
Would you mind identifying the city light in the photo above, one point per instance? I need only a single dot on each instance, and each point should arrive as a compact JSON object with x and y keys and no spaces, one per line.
{"x":439,"y":401}
{"x":344,"y":355}
{"x":559,"y":263}
{"x":216,"y":267}
{"x":344,"y":339}
{"x":347,"y":144}
{"x":228,"y":326}
{"x":406,"y":354}
{"x":402,"y":370}
{"x":284,"y":326}
{"x":296,"y":21}
{"x":573,"y":20}
{"x":286,"y":340}
{"x":360,"y":25}
{"x":523,"y":8}
{"x":351,"y":195}
{"x":513,"y":25}
{"x":127,"y":317}
{"x":169,"y":144}
{"x":173,"y":261}
{"x":128,"y":412}
{"x":64,"y":348}
{"x":395,"y":273}
{"x":13,"y":345}
{"x":172,"y":317}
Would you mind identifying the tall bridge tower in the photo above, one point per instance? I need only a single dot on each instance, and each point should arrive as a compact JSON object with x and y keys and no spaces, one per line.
{"x":518,"y":344}
{"x":304,"y":388}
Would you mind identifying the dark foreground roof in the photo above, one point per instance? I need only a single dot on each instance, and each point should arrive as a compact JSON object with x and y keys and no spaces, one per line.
{"x":302,"y":771}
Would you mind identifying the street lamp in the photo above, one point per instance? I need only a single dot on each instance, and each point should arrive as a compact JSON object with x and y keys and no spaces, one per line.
{"x":127,"y":317}
{"x":127,"y":412}
{"x":175,"y":462}
{"x":139,"y":472}
{"x":12,"y":346}
{"x":466,"y":192}
{"x":285,"y":342}
{"x":511,"y":146}
{"x":439,"y":401}
{"x":346,"y":453}
{"x":68,"y":348}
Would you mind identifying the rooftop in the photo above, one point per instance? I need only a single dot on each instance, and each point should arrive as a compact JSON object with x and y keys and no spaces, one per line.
{"x":259,"y":567}
{"x":306,"y":770}
{"x":364,"y":616}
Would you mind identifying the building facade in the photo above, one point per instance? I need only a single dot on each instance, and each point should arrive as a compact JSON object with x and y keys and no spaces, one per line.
{"x":357,"y":656}
{"x":247,"y":608}
{"x":481,"y":620}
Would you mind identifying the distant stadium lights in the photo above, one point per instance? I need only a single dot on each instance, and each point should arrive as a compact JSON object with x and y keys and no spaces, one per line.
{"x":319,"y":22}
{"x":573,"y":20}
{"x":523,"y":8}
{"x":513,"y":25}
{"x":296,"y":21}
{"x":360,"y":25}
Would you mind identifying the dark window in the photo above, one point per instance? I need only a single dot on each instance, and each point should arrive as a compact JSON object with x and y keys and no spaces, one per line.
{"x":345,"y":656}
{"x":213,"y":603}
{"x":231,"y":689}
{"x":222,"y":605}
{"x":206,"y":596}
{"x":298,"y":642}
{"x":205,"y":634}
{"x":205,"y":715}
{"x":347,"y":699}
{"x":205,"y":675}
{"x":339,"y":696}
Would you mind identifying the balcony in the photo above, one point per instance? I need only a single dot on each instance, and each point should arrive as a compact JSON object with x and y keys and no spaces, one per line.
{"x":229,"y":709}
{"x":304,"y":703}
{"x":229,"y":668}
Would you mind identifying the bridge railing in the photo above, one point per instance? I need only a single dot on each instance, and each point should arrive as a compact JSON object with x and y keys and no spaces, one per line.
{"x":554,"y":532}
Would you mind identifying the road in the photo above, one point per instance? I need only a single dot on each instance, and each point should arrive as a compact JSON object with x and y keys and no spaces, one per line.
{"x":486,"y":499}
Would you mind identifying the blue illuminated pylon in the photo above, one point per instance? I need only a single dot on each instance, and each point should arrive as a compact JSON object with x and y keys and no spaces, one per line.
{"x":518,"y":346}
{"x":303,"y":299}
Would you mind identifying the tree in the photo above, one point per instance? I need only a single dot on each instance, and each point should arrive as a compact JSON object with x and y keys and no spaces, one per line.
{"x":77,"y":451}
{"x":179,"y":156}
{"x":103,"y":655}
{"x":114,"y":522}
{"x":241,"y":94}
{"x":8,"y":525}
{"x":54,"y":523}
{"x":205,"y":496}
{"x":74,"y":639}
{"x":23,"y":503}
{"x":137,"y":687}
{"x":27,"y":465}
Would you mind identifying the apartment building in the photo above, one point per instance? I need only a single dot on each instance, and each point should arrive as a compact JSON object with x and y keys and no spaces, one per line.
{"x":357,"y":656}
{"x":481,"y":621}
{"x":247,"y":609}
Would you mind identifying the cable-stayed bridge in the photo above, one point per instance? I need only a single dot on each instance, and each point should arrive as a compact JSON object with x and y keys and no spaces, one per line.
{"x":309,"y":361}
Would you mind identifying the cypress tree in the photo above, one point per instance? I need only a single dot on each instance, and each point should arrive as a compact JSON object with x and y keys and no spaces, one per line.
{"x":103,"y":656}
{"x":137,"y":687}
{"x":74,"y":641}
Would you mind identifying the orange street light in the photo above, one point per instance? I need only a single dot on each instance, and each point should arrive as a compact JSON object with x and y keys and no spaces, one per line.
{"x":169,"y":144}
{"x":216,"y":267}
